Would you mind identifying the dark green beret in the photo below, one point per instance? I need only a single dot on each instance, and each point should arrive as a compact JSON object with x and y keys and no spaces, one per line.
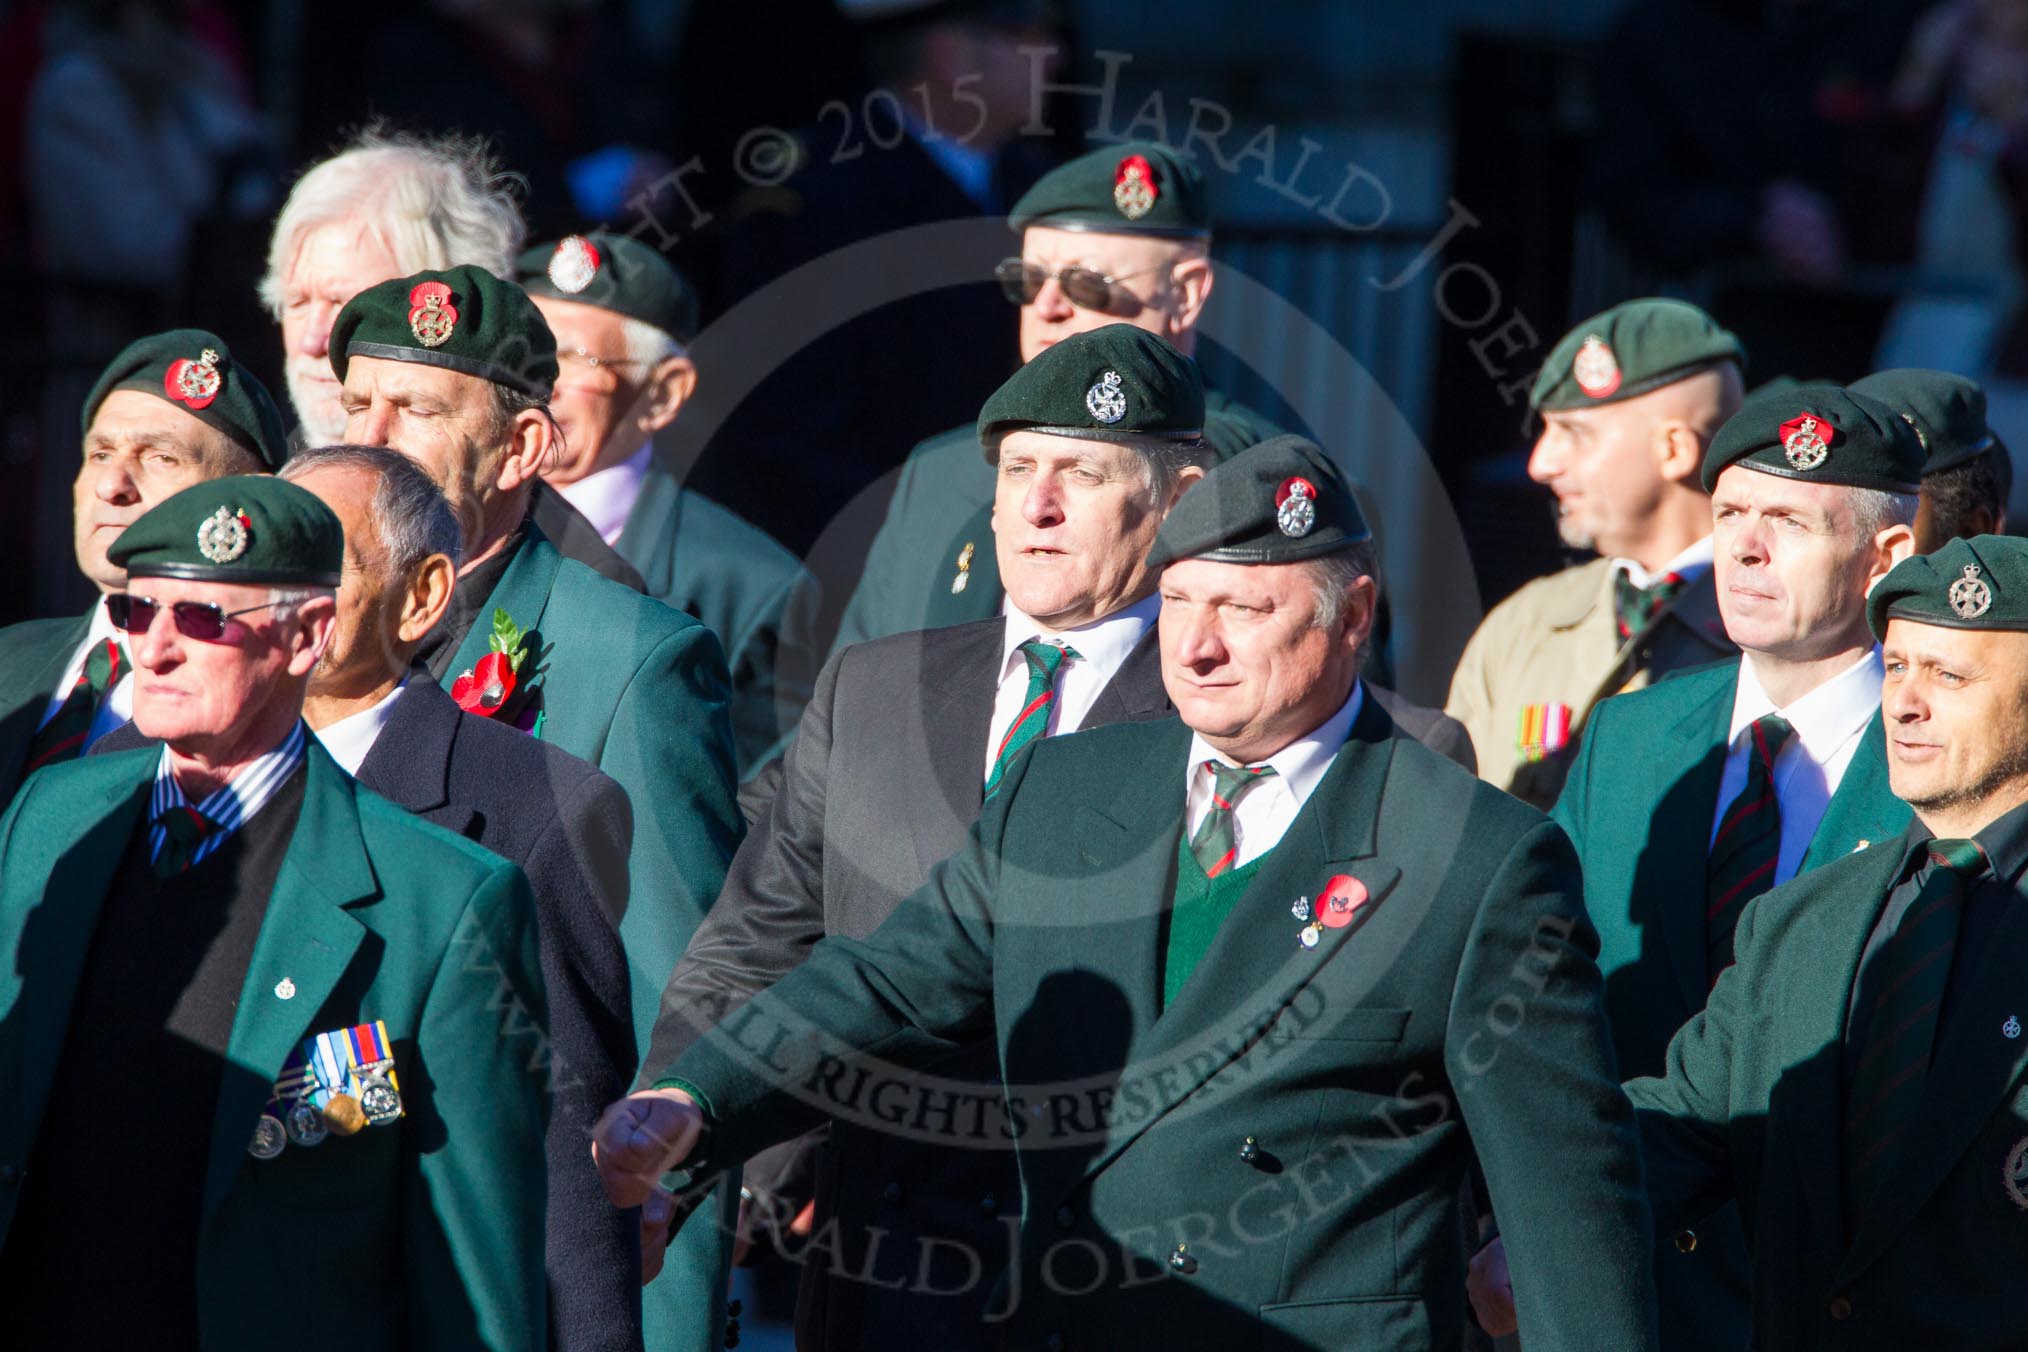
{"x":1136,"y":188}
{"x":1980,"y":583}
{"x":1104,"y":384}
{"x":614,"y":273}
{"x":1280,"y":501}
{"x":1629,"y":350}
{"x":243,"y":528}
{"x":1948,"y":413}
{"x":194,"y":370}
{"x":1819,"y":433}
{"x":463,"y":320}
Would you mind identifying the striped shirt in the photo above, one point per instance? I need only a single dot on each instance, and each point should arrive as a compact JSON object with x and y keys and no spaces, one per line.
{"x":231,"y":805}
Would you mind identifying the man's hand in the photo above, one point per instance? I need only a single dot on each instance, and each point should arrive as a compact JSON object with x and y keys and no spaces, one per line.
{"x":642,"y":1137}
{"x":1492,"y":1294}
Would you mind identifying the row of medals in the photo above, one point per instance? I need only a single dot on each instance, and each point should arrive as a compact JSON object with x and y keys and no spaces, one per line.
{"x":304,"y":1123}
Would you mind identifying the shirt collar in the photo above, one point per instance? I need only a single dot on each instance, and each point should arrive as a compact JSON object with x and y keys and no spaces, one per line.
{"x":1104,"y":643}
{"x":1300,"y":765}
{"x":1823,"y":719}
{"x":2004,"y":839}
{"x":232,"y":803}
{"x":607,"y":496}
{"x":1689,"y":565}
{"x":350,"y":739}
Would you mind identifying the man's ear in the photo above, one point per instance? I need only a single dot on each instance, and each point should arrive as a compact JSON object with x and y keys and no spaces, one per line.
{"x":1190,"y":280}
{"x":1186,"y":479}
{"x":426,"y":598}
{"x":668,"y":387}
{"x":1362,"y":608}
{"x":1891,"y":545}
{"x":1679,"y":453}
{"x":316,"y":622}
{"x":534,"y":444}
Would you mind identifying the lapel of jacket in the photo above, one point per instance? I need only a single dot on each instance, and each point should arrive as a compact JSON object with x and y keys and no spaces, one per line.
{"x":1255,"y":966}
{"x":523,"y":592}
{"x":410,"y":762}
{"x":1863,"y":808}
{"x":35,"y":675}
{"x":1676,"y":853}
{"x":982,"y":591}
{"x":1695,"y":611}
{"x":1135,"y":693}
{"x":960,"y":671}
{"x":308,"y":936}
{"x":1976,"y":1064}
{"x":648,"y":539}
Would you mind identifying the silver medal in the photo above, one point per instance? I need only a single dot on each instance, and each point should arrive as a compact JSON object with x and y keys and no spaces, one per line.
{"x":270,"y":1138}
{"x":306,"y":1124}
{"x":379,"y":1101}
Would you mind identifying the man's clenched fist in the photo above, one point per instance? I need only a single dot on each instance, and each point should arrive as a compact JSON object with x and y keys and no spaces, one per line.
{"x":642,"y":1137}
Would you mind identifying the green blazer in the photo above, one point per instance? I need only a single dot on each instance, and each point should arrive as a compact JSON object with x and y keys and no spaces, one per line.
{"x":1752,"y":1109}
{"x":1638,"y":806}
{"x":640,"y":691}
{"x":33,"y":655}
{"x":1460,"y":1018}
{"x":710,"y":563}
{"x":375,"y":915}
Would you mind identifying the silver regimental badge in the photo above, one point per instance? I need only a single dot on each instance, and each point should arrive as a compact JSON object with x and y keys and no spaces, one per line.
{"x":1595,"y":368}
{"x":306,"y":1124}
{"x":378,"y":1100}
{"x":1106,"y":400}
{"x":222,"y":536}
{"x":1298,"y":513}
{"x":199,"y":379}
{"x":574,"y":264}
{"x":270,"y":1138}
{"x":2014,"y":1177}
{"x":1970,"y":597}
{"x":1805,"y":447}
{"x":1301,"y":908}
{"x":2011,"y":1029}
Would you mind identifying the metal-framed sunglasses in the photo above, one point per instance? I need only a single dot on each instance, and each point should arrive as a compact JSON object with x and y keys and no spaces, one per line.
{"x":1088,"y":290}
{"x":200,"y":620}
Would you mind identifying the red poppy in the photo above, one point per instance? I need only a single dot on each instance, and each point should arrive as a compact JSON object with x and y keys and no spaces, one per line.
{"x":485,"y":688}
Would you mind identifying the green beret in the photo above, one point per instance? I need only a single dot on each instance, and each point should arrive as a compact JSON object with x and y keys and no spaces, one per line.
{"x":1948,"y":413}
{"x":1280,"y":501}
{"x":1819,"y":433}
{"x":1104,"y":384}
{"x":1634,"y":348}
{"x":1136,"y":188}
{"x":243,"y":528}
{"x":614,"y":273}
{"x":1980,"y":583}
{"x":194,"y":370}
{"x":464,"y":320}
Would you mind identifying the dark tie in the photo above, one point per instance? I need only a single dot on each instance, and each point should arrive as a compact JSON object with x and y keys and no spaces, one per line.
{"x":63,"y":737}
{"x":187,"y":828}
{"x":1635,"y":607}
{"x":1216,"y":841}
{"x":1748,"y":843}
{"x":1044,"y":661}
{"x":1914,"y":965}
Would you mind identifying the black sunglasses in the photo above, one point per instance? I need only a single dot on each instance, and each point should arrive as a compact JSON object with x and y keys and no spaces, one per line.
{"x":200,"y":620}
{"x":1082,"y":287}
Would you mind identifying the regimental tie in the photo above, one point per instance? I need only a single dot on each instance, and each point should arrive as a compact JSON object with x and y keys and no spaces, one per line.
{"x":1747,"y":845}
{"x":1635,"y":607}
{"x":186,"y":829}
{"x":1216,"y":843}
{"x":1893,"y":1068}
{"x":1044,"y":661}
{"x":62,"y":738}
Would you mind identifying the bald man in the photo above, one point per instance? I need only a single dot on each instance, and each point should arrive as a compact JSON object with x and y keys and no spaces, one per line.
{"x":1628,"y":401}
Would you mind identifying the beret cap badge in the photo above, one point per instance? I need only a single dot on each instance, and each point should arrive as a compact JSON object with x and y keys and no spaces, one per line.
{"x":1806,"y":441}
{"x":1106,"y":400}
{"x":1134,"y":190}
{"x":431,"y":316}
{"x":574,"y":264}
{"x":223,"y":536}
{"x":1595,"y":369}
{"x":1296,"y":508}
{"x":1969,"y":596}
{"x":195,"y":383}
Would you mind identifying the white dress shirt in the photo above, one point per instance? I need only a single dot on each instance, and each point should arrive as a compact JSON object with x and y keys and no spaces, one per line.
{"x":606,"y":497}
{"x":1263,"y":814}
{"x":351,"y":737}
{"x":118,"y":705}
{"x":231,"y":805}
{"x":1101,"y":647}
{"x":1690,"y":565}
{"x":1828,"y":723}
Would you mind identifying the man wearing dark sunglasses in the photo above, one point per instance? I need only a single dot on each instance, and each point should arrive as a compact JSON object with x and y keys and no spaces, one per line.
{"x":172,"y":410}
{"x":185,"y":917}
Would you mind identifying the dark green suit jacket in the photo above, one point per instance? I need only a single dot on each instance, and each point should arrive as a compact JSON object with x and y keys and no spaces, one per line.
{"x":709,"y":563}
{"x":33,"y":655}
{"x":1638,"y":805}
{"x":1458,"y":1014}
{"x":1752,"y":1109}
{"x":639,"y":690}
{"x":375,"y":915}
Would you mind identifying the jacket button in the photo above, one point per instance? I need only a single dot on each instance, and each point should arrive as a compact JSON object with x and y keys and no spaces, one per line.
{"x":1065,"y":1218}
{"x":891,"y":1193}
{"x":1182,"y":1261}
{"x":1686,"y":1241}
{"x":1841,"y":1308}
{"x":989,"y":1205}
{"x":1249,"y":1150}
{"x":9,"y":1175}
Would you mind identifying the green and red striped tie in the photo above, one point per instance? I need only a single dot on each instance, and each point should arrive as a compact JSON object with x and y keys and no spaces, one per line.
{"x":1635,"y":607}
{"x":186,"y":828}
{"x":1044,"y":661}
{"x":62,"y":738}
{"x":1747,"y":847}
{"x":1216,"y":843}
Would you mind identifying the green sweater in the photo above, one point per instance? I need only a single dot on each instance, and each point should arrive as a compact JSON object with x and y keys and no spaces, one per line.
{"x":1196,"y":914}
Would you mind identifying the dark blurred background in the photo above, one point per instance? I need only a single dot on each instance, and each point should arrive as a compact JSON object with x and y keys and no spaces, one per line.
{"x":1440,"y":188}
